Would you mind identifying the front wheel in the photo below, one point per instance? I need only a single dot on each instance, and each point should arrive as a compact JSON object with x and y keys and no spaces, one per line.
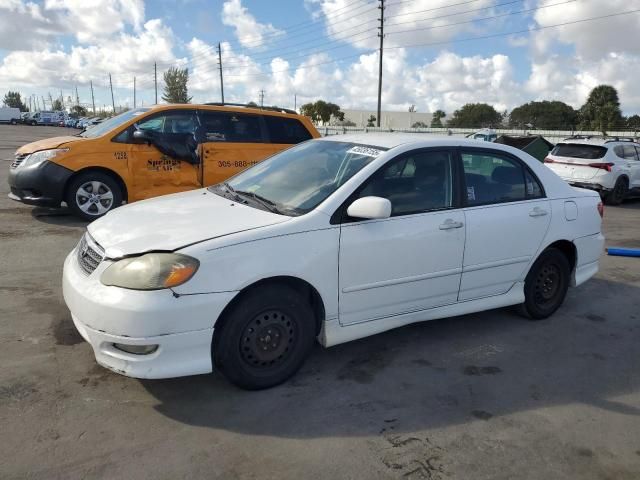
{"x":92,"y":194}
{"x":265,"y":338}
{"x":546,"y":285}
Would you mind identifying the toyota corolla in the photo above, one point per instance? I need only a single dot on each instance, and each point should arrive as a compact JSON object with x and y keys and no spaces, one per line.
{"x":334,"y":239}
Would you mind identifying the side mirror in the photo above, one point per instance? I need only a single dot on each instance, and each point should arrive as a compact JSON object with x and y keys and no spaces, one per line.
{"x":140,"y":136}
{"x":370,"y":208}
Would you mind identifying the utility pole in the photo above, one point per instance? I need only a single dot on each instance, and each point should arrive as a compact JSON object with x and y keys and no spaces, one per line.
{"x":44,"y":104}
{"x":113,"y":102}
{"x":155,"y":79}
{"x":77,"y":97}
{"x":30,"y":109}
{"x":262,"y":98}
{"x":62,"y":99}
{"x":381,"y":35}
{"x":220,"y":67}
{"x":134,"y":92}
{"x":295,"y":102}
{"x":93,"y":100}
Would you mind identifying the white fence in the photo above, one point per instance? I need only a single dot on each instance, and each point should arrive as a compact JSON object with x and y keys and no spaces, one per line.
{"x":553,"y":136}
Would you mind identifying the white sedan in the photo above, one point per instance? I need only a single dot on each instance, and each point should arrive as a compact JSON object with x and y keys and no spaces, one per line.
{"x":333,"y":239}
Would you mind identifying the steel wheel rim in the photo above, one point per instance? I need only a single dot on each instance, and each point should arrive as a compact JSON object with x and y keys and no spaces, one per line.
{"x":268,"y":339}
{"x":547,"y":285}
{"x":94,"y":198}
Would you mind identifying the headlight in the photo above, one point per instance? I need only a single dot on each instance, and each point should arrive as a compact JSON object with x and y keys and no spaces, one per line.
{"x":152,"y":271}
{"x":42,"y":155}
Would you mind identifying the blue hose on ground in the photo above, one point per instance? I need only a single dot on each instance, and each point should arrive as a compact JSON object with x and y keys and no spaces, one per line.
{"x":624,"y":252}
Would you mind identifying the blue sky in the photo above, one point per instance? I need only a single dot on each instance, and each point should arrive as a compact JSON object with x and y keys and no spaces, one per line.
{"x":290,"y":47}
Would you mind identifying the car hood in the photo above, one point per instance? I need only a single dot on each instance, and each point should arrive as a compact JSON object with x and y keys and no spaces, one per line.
{"x":46,"y":144}
{"x":173,"y":221}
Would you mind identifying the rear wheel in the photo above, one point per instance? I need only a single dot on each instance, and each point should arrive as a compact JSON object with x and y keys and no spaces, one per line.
{"x":619,"y":192}
{"x":265,"y":338}
{"x":92,"y":194}
{"x":546,"y":285}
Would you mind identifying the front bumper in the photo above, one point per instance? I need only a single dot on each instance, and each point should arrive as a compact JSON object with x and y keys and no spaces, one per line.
{"x":41,"y":185}
{"x":181,"y":327}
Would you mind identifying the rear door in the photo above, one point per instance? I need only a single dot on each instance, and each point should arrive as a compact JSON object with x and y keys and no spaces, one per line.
{"x":634,"y":166}
{"x":506,"y":216}
{"x":231,"y":142}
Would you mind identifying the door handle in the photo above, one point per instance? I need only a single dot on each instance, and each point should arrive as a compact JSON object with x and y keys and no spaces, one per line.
{"x":450,"y":224}
{"x":538,"y":212}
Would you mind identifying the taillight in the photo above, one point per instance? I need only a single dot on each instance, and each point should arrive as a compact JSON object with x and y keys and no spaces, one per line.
{"x":548,"y":160}
{"x":601,"y":209}
{"x":603,"y":166}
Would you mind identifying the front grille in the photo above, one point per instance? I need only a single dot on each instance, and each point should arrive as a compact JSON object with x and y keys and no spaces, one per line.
{"x":90,"y":254}
{"x":18,"y":159}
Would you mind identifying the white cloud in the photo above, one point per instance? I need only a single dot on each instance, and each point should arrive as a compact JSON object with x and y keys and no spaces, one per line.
{"x":250,"y":32}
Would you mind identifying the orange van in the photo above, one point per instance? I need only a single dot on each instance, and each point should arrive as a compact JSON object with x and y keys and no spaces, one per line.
{"x":151,"y":151}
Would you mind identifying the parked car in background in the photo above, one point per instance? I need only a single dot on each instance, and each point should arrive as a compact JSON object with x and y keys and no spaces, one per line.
{"x":486,"y":135}
{"x":24,"y":117}
{"x":336,"y":239}
{"x":608,"y":165}
{"x":46,"y":118}
{"x":10,"y":115}
{"x":151,"y":151}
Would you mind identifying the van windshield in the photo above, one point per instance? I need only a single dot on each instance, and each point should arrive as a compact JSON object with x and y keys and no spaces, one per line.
{"x":297,"y":180}
{"x":110,"y":124}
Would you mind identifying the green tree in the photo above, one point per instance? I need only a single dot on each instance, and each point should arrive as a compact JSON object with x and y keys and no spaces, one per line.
{"x":56,"y":105}
{"x":475,"y":115}
{"x":321,"y":111}
{"x":633,"y":122}
{"x":14,"y":100}
{"x":79,"y":111}
{"x":252,"y":104}
{"x":544,"y":115}
{"x":601,"y":111}
{"x":436,"y":119}
{"x":175,"y":85}
{"x":419,"y":125}
{"x":371,"y":121}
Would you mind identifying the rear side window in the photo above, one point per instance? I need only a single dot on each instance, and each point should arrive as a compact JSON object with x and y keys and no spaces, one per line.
{"x":231,"y":127}
{"x":492,"y":178}
{"x":579,"y":150}
{"x":630,"y":152}
{"x":286,"y":130}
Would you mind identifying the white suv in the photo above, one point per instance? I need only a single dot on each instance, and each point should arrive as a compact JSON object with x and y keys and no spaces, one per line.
{"x":609,"y":165}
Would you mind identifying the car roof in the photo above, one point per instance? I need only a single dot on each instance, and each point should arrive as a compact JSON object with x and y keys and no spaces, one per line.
{"x":601,"y":142}
{"x":395,"y":139}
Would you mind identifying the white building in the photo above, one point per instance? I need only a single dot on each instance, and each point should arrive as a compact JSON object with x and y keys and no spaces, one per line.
{"x":388,"y":119}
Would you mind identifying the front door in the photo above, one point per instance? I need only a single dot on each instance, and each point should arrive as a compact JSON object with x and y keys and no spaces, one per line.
{"x":411,"y":261}
{"x":164,"y":166}
{"x":232,"y":142}
{"x":507,"y":217}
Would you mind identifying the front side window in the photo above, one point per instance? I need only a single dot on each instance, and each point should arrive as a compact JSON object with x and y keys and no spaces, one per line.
{"x":172,"y":124}
{"x":231,"y":127}
{"x":114,"y":122}
{"x":414,"y":183}
{"x":298,"y":179}
{"x":492,"y":178}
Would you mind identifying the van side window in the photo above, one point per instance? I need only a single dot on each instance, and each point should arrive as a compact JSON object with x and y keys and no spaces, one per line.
{"x":286,"y":130}
{"x":231,"y":127}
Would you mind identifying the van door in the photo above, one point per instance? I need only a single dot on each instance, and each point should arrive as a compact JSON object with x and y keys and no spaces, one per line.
{"x":231,"y":142}
{"x":165,"y":165}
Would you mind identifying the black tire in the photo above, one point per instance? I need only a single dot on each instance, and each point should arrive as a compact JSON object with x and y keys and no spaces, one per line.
{"x":33,"y":124}
{"x":265,"y":338}
{"x":88,"y":204}
{"x":619,"y":192}
{"x":546,"y":285}
{"x":13,"y":122}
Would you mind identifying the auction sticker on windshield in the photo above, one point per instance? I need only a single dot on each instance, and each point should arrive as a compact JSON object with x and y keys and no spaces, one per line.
{"x":367,"y":151}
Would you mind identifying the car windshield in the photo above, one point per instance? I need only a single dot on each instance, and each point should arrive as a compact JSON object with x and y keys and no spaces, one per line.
{"x":297,"y":180}
{"x":114,"y":122}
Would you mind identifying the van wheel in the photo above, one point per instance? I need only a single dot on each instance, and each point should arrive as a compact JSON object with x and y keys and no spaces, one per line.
{"x":619,"y":192}
{"x":92,"y":194}
{"x":265,"y":338}
{"x":546,"y":285}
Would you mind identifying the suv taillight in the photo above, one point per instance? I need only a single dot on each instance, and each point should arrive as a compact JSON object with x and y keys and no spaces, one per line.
{"x":601,"y":209}
{"x":604,"y":166}
{"x":548,"y":160}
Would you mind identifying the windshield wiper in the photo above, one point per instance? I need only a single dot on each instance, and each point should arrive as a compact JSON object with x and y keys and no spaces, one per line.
{"x":265,"y":202}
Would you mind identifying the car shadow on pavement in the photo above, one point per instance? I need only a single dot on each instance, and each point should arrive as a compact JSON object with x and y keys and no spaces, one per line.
{"x":57,"y":216}
{"x":476,"y":367}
